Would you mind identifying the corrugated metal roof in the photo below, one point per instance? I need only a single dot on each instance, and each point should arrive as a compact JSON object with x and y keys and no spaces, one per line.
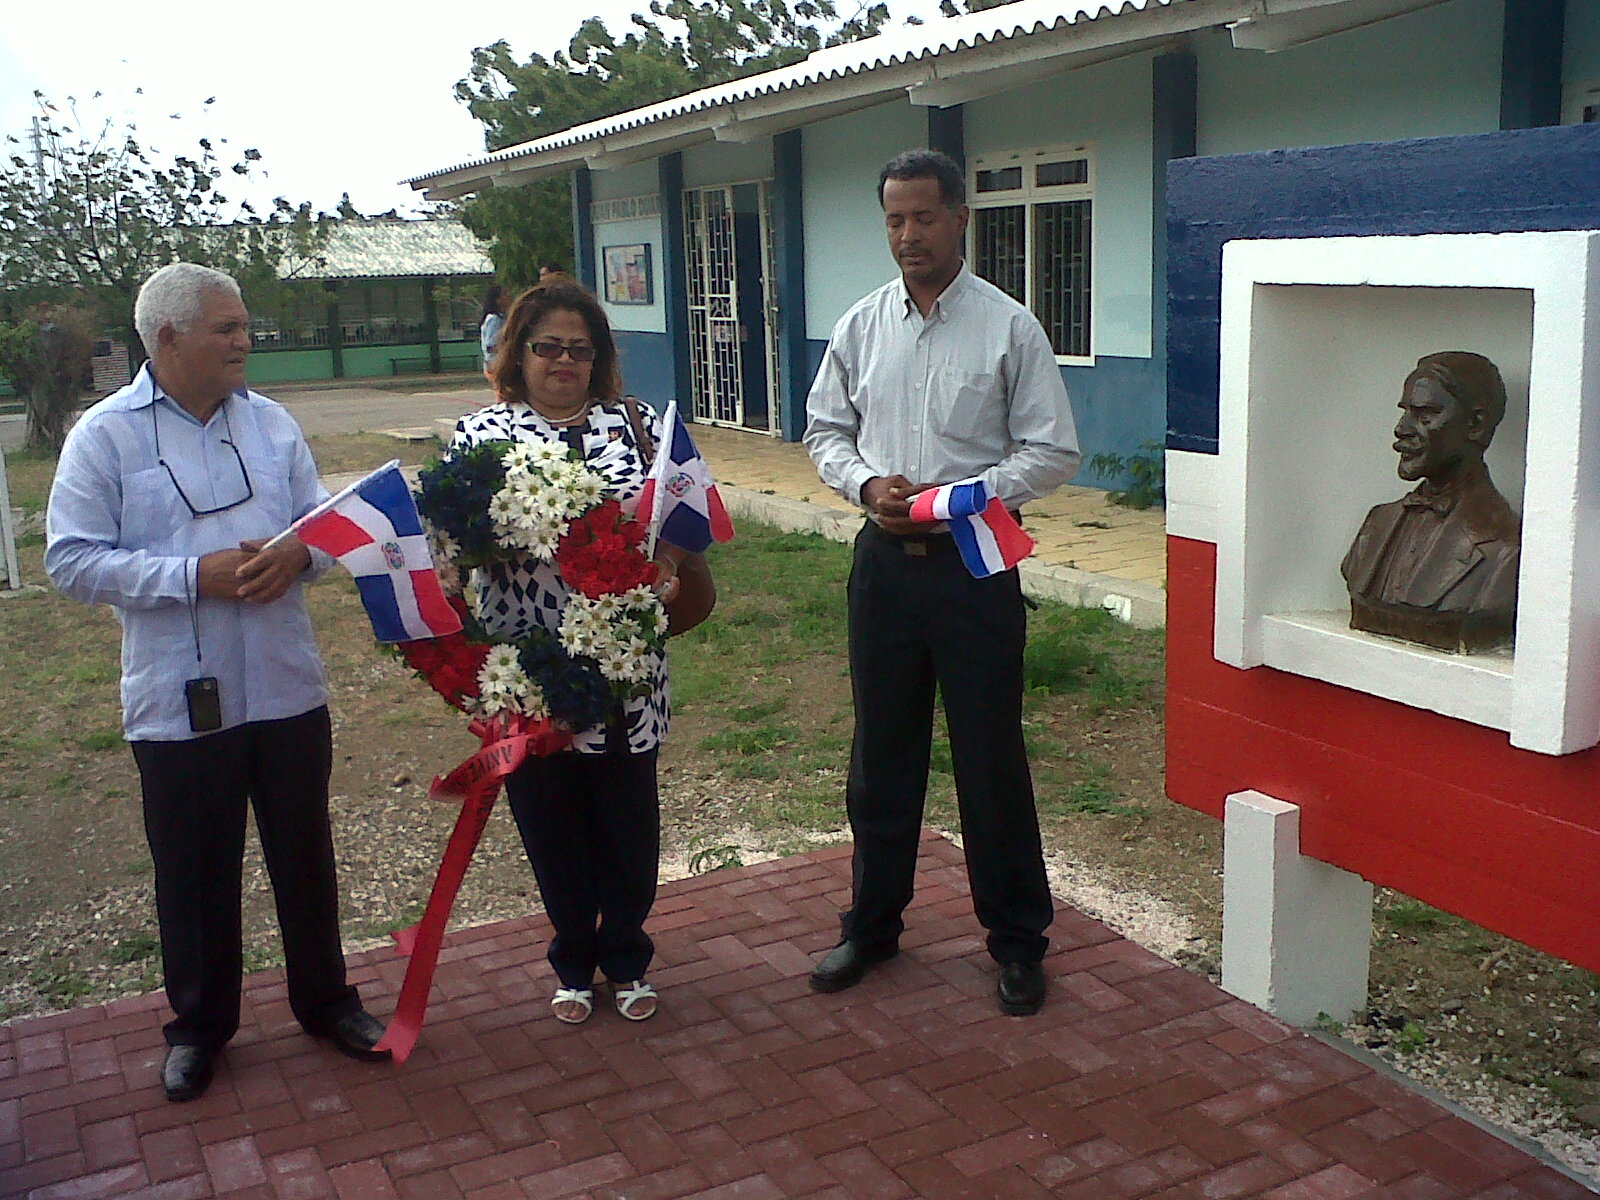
{"x":386,"y":247}
{"x":906,"y":44}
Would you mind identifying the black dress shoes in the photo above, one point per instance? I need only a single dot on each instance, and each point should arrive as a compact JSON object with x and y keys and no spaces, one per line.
{"x":846,"y":963}
{"x":186,"y":1073}
{"x":356,"y":1034}
{"x":1021,"y":988}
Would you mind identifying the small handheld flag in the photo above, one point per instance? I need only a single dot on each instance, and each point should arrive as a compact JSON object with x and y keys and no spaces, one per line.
{"x":373,"y":529}
{"x":680,"y":504}
{"x":986,"y":534}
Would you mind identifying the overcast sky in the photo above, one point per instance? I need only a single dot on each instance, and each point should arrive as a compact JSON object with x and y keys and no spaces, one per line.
{"x":336,"y":96}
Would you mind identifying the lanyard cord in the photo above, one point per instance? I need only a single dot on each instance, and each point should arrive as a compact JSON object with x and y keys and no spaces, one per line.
{"x":193,"y":598}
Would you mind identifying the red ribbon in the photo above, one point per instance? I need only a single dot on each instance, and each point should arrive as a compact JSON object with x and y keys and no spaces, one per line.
{"x":507,"y":740}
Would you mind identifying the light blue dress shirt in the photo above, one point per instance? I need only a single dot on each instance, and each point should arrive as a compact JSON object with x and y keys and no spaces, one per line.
{"x":119,"y":533}
{"x":970,"y":390}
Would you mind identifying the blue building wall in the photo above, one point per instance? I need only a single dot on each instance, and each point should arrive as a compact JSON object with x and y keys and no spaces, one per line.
{"x":647,"y":366}
{"x":1532,"y":179}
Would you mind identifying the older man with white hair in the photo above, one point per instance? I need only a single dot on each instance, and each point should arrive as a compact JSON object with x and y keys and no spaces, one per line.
{"x":164,"y":496}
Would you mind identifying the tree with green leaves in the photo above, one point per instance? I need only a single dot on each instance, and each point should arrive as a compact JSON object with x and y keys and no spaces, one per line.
{"x":678,"y":46}
{"x":88,"y":210}
{"x":46,"y":358}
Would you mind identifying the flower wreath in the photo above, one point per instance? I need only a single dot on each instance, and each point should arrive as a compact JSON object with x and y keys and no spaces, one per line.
{"x":504,"y":501}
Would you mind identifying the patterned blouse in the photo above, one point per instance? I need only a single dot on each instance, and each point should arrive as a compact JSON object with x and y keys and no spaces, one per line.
{"x":515,"y":596}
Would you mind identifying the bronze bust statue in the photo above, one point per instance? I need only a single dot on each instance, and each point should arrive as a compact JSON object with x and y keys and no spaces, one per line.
{"x":1439,"y":565}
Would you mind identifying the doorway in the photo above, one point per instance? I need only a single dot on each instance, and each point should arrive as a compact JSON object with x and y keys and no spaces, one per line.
{"x":732,"y":347}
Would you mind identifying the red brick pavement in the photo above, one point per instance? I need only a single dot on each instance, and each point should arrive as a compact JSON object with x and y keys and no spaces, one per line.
{"x":1138,"y":1079}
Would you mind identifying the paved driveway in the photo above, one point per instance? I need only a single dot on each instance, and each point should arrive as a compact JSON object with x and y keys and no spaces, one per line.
{"x":337,"y":410}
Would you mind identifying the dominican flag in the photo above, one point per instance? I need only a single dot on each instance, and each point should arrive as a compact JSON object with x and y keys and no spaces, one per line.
{"x":680,"y":504}
{"x":988,"y":536}
{"x":372,"y":528}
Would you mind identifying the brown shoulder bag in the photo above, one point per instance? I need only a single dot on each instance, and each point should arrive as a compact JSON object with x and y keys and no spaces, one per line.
{"x":697,"y":590}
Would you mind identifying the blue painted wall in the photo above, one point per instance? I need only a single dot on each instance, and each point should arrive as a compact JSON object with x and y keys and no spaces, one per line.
{"x":1531,"y":179}
{"x":647,"y":367}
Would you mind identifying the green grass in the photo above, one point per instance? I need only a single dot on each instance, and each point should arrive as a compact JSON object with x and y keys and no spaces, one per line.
{"x":135,"y":949}
{"x":1405,"y":915}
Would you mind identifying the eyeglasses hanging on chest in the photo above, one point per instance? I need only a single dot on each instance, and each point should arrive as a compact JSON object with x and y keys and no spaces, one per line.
{"x":244,"y":474}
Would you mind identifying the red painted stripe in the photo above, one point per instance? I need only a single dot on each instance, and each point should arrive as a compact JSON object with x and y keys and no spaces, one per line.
{"x":334,"y":533}
{"x":1441,"y":809}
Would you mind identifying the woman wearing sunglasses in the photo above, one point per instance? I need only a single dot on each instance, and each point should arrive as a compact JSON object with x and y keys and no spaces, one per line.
{"x":588,"y":815}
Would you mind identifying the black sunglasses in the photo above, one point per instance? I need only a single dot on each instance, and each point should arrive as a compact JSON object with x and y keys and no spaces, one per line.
{"x":580,"y":354}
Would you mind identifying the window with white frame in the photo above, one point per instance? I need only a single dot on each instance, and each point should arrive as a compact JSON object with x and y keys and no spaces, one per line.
{"x":1031,"y":236}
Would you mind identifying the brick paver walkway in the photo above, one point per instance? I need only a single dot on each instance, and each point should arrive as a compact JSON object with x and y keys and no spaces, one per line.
{"x":1138,"y":1079}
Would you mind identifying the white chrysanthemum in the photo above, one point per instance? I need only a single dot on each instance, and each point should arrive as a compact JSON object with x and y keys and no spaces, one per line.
{"x":655,"y":621}
{"x":542,"y":539}
{"x":521,"y":457}
{"x":615,"y":665}
{"x":542,"y":453}
{"x":587,"y":489}
{"x":522,"y":483}
{"x":637,"y":598}
{"x":552,"y":501}
{"x":608,"y":606}
{"x":442,"y":546}
{"x":500,"y":671}
{"x":561,"y":472}
{"x":503,"y":508}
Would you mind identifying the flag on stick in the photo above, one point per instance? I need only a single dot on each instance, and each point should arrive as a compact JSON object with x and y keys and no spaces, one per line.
{"x":986,"y":534}
{"x":373,"y":529}
{"x":680,"y":504}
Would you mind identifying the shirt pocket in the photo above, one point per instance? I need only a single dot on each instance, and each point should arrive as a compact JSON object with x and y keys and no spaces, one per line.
{"x":151,"y":510}
{"x":963,"y":405}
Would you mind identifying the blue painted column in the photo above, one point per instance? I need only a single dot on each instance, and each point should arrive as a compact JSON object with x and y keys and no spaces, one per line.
{"x":1174,"y":106}
{"x":789,"y":256}
{"x":1530,"y":63}
{"x":947,"y":132}
{"x":583,"y":228}
{"x":675,"y":279}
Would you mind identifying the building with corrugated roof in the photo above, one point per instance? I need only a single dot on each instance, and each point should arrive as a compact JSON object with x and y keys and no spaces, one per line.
{"x":727,"y":229}
{"x":383,"y":296}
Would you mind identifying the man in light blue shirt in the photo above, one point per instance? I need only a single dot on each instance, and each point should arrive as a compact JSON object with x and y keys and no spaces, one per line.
{"x":163,"y":498}
{"x":932,"y":379}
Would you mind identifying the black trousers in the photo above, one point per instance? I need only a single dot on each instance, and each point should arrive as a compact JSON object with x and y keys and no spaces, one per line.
{"x":591,"y":824}
{"x":195,"y":794}
{"x":917,"y":622}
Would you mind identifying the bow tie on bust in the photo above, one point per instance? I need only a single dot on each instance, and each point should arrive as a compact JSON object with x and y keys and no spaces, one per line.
{"x":1439,"y":502}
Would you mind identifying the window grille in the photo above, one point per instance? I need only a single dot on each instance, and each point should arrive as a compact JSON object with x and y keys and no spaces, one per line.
{"x":1032,"y":237}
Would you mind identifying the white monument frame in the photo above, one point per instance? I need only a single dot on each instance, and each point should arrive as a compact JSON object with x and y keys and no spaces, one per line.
{"x":1318,"y":335}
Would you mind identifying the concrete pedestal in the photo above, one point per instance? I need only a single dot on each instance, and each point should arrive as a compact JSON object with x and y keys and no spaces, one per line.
{"x":1295,"y":932}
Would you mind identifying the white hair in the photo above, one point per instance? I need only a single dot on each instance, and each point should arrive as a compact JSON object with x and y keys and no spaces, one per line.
{"x":175,"y":296}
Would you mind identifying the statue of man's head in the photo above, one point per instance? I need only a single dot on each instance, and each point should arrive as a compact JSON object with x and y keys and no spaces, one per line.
{"x":1449,"y":408}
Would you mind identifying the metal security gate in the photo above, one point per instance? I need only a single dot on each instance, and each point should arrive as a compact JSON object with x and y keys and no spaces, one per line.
{"x":732,"y":350}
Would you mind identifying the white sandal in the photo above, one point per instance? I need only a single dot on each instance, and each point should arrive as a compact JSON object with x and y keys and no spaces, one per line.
{"x":637,"y":1001}
{"x":573,"y":1005}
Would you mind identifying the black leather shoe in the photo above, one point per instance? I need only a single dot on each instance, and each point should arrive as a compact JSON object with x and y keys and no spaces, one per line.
{"x":356,"y":1035}
{"x":846,"y":963}
{"x":186,"y":1073}
{"x":1021,"y":988}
